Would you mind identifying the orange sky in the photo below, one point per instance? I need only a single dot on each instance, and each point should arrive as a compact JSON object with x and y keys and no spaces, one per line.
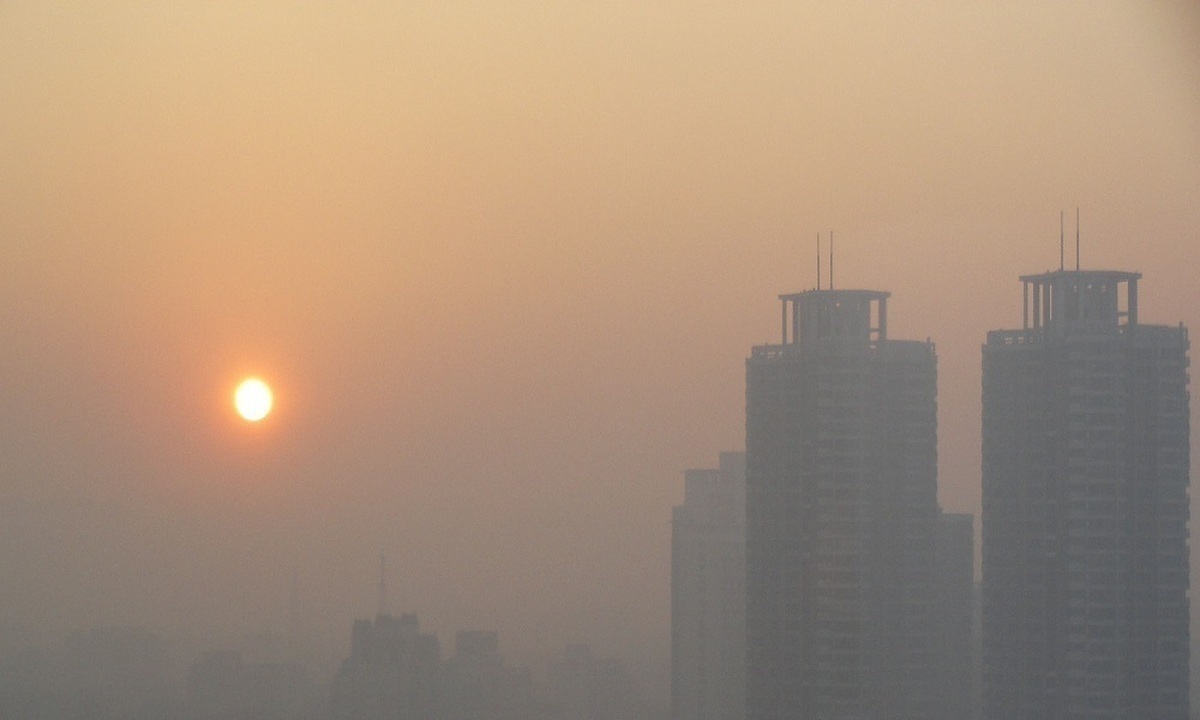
{"x":503,"y":265}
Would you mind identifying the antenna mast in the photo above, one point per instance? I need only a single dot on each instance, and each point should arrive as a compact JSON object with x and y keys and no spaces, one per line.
{"x":293,"y":617}
{"x":830,"y":259}
{"x":1077,"y":238}
{"x":818,"y":261}
{"x":382,"y":585}
{"x":1061,"y":247}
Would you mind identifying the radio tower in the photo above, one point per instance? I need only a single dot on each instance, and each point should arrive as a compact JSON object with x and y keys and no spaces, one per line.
{"x":383,"y":608}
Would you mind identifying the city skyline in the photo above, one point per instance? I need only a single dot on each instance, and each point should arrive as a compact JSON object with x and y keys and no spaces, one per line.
{"x":501,"y":266}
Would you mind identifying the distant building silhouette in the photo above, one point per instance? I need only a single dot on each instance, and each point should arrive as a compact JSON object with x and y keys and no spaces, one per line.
{"x":109,"y":672}
{"x":708,"y":594}
{"x":1085,"y":506}
{"x":477,"y":685}
{"x":392,"y":672}
{"x":221,"y":685}
{"x":841,"y":516}
{"x":584,"y":686}
{"x":395,"y":672}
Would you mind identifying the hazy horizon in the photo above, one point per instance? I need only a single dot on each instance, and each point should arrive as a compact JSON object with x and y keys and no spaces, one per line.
{"x":503,"y":266}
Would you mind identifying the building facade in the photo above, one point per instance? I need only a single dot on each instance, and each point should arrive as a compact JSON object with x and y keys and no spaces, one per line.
{"x":1085,"y":506}
{"x":708,"y":593}
{"x":841,"y":516}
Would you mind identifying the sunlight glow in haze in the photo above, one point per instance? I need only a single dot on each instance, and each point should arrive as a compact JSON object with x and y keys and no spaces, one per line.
{"x":253,"y":399}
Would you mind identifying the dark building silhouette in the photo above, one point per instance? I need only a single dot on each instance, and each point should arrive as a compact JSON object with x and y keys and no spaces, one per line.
{"x":1085,"y":506}
{"x":841,"y":515}
{"x":708,"y":594}
{"x":392,"y":672}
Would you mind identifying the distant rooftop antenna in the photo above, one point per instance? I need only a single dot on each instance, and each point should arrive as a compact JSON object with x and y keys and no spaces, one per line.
{"x":818,"y":261}
{"x":293,"y":615}
{"x":1061,"y":247}
{"x":382,"y":584}
{"x":1077,"y":238}
{"x":830,"y":259}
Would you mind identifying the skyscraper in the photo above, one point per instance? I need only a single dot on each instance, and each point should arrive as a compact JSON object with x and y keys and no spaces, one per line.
{"x":1085,"y":506}
{"x":708,"y":593}
{"x":841,"y":515}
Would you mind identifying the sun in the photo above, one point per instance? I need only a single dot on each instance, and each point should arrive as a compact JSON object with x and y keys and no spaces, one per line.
{"x":253,"y":399}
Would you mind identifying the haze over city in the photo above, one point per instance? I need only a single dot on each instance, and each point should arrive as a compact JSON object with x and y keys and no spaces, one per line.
{"x":502,"y":265}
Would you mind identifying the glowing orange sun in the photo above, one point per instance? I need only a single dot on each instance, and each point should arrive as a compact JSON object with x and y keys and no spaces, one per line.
{"x":253,"y":399}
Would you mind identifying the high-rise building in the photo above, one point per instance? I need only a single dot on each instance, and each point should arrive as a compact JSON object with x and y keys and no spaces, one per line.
{"x":1085,"y":506}
{"x":841,"y":515}
{"x":708,"y":593}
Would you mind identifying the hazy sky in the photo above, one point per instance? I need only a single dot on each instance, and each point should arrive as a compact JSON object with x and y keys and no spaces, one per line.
{"x":503,"y":263}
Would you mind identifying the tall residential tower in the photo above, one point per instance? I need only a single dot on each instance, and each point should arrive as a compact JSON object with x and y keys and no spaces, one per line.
{"x":1085,"y":506}
{"x":841,"y":516}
